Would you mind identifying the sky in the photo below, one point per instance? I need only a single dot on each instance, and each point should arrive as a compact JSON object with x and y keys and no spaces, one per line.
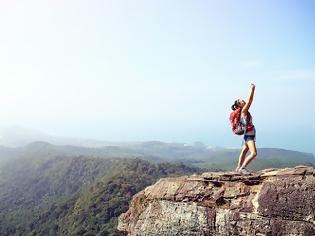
{"x":159,"y":70}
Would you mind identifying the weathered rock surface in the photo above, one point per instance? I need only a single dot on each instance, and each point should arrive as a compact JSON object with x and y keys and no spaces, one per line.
{"x":269,"y":202}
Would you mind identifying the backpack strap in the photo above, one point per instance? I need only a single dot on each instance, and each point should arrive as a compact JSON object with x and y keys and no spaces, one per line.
{"x":244,"y":119}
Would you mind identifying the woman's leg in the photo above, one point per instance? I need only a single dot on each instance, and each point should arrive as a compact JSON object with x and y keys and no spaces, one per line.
{"x":253,"y":152}
{"x":242,"y":156}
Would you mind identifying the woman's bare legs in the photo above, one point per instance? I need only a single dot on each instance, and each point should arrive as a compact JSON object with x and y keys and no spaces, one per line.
{"x":253,"y":153}
{"x":242,"y":156}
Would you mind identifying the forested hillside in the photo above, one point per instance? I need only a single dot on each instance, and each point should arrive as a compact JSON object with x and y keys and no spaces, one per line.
{"x":73,"y":195}
{"x":52,"y":190}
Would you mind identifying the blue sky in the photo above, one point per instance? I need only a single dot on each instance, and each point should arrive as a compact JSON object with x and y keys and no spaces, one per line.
{"x":159,"y":70}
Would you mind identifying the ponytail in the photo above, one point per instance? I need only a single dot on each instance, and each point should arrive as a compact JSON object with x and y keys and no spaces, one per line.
{"x":235,"y":105}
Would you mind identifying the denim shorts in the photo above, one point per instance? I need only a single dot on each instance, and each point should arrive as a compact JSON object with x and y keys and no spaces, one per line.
{"x":249,"y":137}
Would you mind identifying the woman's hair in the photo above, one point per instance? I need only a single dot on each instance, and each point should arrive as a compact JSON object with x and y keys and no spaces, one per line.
{"x":235,"y":105}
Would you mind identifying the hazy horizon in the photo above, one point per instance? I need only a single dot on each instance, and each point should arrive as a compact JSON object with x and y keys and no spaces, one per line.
{"x":17,"y":136}
{"x":159,"y":70}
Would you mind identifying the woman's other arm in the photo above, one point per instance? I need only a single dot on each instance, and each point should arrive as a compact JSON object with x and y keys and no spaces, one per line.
{"x":249,"y":100}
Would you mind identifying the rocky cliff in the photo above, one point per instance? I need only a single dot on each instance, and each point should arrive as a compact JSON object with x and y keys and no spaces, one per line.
{"x":269,"y":202}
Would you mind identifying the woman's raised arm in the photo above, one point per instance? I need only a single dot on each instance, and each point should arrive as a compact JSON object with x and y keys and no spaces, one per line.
{"x":249,"y":100}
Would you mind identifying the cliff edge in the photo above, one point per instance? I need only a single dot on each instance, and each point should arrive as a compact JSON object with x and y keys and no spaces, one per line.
{"x":269,"y":202}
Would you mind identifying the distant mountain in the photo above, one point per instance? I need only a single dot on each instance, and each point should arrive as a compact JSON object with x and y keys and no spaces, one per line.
{"x":18,"y":141}
{"x":6,"y":154}
{"x":194,"y":155}
{"x":16,"y":136}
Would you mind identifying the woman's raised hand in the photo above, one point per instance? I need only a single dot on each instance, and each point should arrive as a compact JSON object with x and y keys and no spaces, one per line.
{"x":252,"y":86}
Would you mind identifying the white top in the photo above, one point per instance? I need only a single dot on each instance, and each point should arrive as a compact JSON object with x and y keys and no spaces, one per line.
{"x":244,"y":121}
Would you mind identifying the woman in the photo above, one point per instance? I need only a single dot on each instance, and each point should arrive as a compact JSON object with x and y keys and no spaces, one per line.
{"x":250,"y":134}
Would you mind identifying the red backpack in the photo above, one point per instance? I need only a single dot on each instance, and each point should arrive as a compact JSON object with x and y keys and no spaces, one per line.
{"x":238,"y":127}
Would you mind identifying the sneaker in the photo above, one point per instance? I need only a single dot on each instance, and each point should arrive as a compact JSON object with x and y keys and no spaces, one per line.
{"x":244,"y":171}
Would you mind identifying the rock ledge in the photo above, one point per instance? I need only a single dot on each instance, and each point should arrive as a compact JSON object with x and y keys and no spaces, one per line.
{"x":269,"y":202}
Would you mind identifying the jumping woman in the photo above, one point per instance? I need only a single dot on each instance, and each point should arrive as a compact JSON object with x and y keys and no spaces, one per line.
{"x":249,"y":131}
